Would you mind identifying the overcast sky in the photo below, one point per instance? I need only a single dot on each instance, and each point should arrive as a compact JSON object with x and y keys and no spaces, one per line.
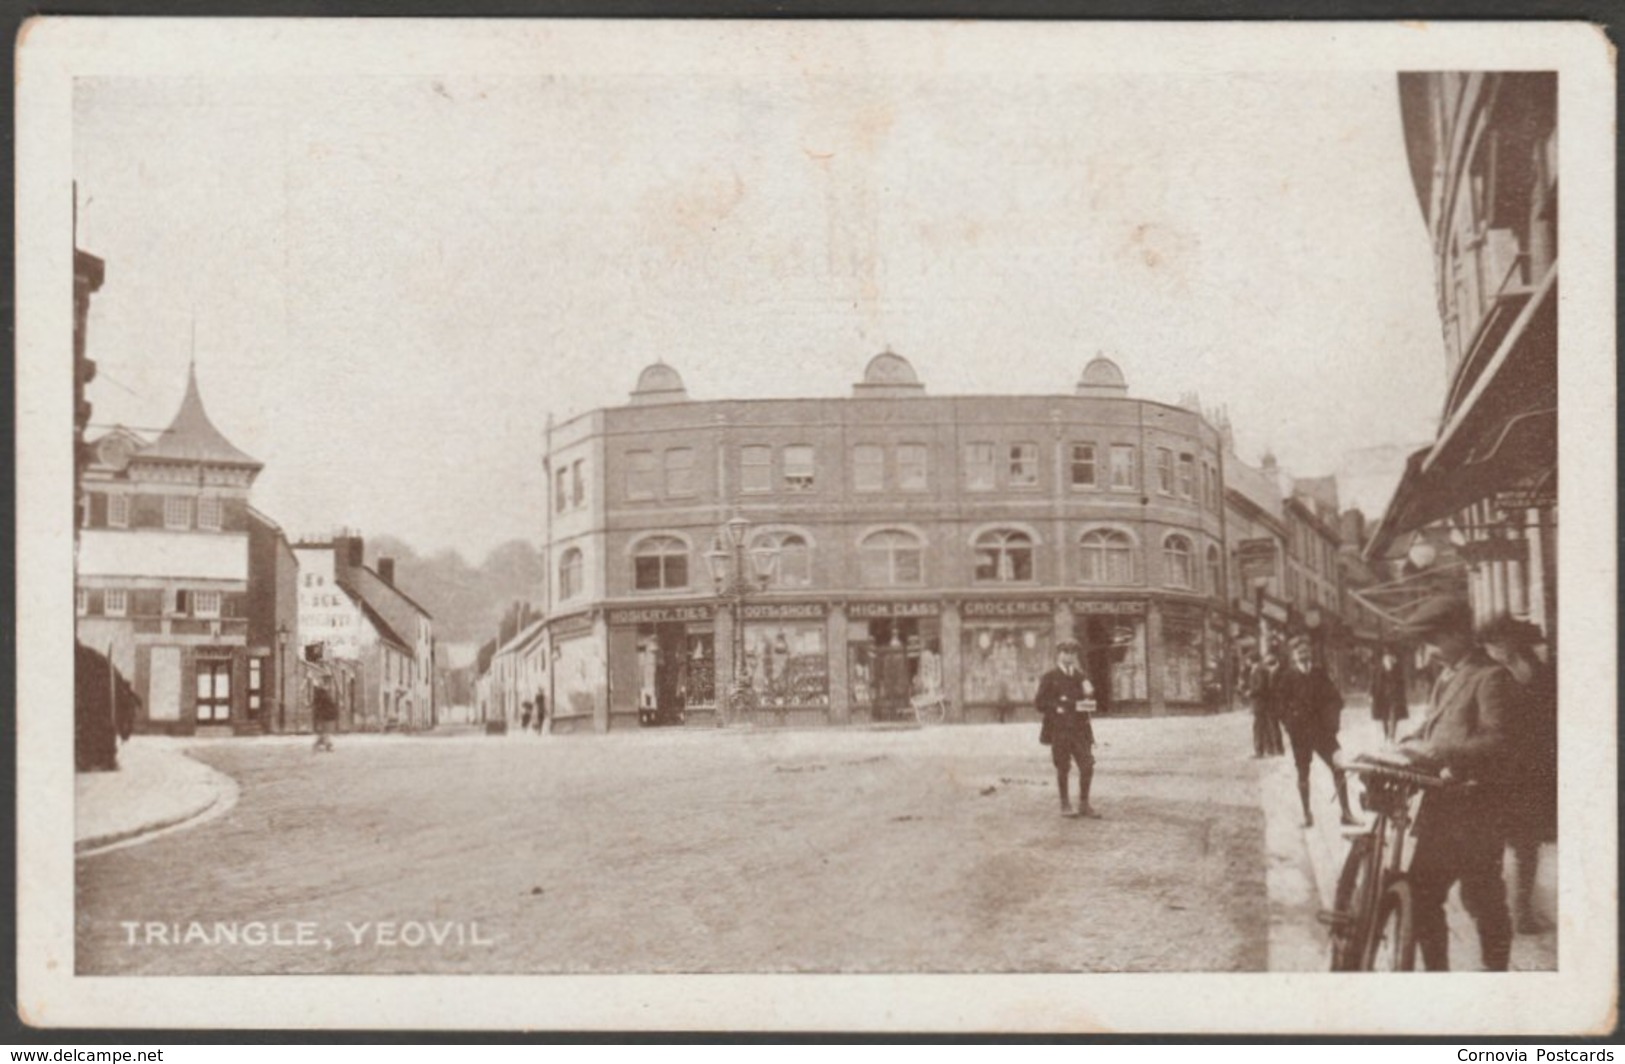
{"x":392,"y":281}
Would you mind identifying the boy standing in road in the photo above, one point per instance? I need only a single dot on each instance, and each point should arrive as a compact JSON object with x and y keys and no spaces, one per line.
{"x":1066,"y":700}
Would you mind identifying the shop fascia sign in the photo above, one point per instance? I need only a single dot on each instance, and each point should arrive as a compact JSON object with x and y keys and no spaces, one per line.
{"x":1273,"y":610}
{"x":1107,"y":606}
{"x":659,"y":614}
{"x":785,"y":611}
{"x":1007,"y":608}
{"x":865,"y":610}
{"x":565,"y":627}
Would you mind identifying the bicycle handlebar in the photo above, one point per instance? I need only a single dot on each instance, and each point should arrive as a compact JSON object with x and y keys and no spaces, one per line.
{"x":1417,"y":777}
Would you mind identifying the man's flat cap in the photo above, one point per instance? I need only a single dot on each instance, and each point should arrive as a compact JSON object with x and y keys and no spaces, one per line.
{"x":1508,"y":629}
{"x":1067,"y":645}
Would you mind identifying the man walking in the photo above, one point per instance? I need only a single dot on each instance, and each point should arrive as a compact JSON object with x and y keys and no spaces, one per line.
{"x":1066,"y":700}
{"x":1460,"y":831}
{"x":1311,"y":708}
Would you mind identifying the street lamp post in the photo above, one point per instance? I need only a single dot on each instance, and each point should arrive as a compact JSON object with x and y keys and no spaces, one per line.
{"x":736,"y":581}
{"x":282,"y":677}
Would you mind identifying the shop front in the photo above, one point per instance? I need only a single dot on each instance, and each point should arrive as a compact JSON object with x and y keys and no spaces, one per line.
{"x":1006,"y":646}
{"x":579,"y":698}
{"x":1192,"y":652}
{"x":787,"y":659}
{"x":1112,"y":633}
{"x":894,"y":651}
{"x":662,"y":665}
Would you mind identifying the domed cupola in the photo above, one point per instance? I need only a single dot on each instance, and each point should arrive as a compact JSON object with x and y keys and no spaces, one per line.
{"x":659,"y":383}
{"x":1102,"y":380}
{"x":887,"y":376}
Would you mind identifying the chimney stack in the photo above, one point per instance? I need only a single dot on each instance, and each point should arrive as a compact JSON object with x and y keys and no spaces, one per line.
{"x":386,"y":570}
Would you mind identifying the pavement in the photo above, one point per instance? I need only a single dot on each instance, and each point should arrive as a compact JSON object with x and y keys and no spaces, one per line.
{"x":1304,"y":865}
{"x":163,"y":788}
{"x":157,"y":788}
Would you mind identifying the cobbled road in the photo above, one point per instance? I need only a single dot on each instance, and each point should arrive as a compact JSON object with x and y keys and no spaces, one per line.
{"x":936,"y":850}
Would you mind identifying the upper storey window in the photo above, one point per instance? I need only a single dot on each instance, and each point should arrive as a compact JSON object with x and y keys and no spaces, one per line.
{"x":680,"y":471}
{"x":1083,"y":465}
{"x":913,"y":467}
{"x":177,"y":512}
{"x":1176,"y":562}
{"x":980,"y":466}
{"x":1165,"y":471}
{"x":640,"y":475}
{"x":571,"y":571}
{"x":892,"y":558}
{"x":209,"y":512}
{"x":1187,"y":476}
{"x":756,"y":468}
{"x":1004,"y":556}
{"x":1124,"y":475}
{"x":118,"y":510}
{"x":868,"y":467}
{"x":660,"y":563}
{"x":1108,"y":557}
{"x":798,"y":467}
{"x":1024,"y":465}
{"x":793,"y":565}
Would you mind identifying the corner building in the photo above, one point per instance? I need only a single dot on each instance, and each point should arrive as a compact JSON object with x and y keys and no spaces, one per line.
{"x":923,"y":544}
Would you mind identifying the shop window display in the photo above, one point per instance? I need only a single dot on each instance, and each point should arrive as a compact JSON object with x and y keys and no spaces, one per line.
{"x":1117,"y":644}
{"x":890,"y":660}
{"x":1184,"y":657}
{"x":788,"y":664}
{"x":1003,"y":663}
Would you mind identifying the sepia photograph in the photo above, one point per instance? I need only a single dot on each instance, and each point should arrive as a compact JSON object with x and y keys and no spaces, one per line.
{"x":741,"y":509}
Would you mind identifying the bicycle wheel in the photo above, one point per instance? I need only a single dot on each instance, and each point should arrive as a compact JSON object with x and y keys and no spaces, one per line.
{"x":1344,"y":920}
{"x":931,"y":712}
{"x":1393,"y":939}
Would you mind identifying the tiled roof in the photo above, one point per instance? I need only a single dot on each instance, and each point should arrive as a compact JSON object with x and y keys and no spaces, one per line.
{"x":192,"y":437}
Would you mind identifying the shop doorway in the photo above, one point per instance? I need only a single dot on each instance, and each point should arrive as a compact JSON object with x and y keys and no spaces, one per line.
{"x":664,"y":652}
{"x":892,"y":659}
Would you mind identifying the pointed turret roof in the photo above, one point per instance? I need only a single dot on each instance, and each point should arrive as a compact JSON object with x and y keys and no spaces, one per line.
{"x":192,"y":437}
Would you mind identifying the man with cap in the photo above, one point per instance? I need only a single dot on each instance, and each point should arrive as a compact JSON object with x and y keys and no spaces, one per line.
{"x":1460,"y":831}
{"x":1066,"y":699}
{"x":1310,"y":708}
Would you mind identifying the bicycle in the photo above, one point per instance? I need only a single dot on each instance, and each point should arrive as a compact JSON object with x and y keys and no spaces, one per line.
{"x":930,"y":708}
{"x":1372,"y":920}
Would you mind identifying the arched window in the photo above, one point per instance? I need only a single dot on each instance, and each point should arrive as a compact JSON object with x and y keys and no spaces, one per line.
{"x":794,"y":566}
{"x":1215,"y":573}
{"x":890,"y":558}
{"x":570,"y":571}
{"x":1004,"y":556}
{"x":1176,"y":562}
{"x":660,"y":563}
{"x":1108,"y":557}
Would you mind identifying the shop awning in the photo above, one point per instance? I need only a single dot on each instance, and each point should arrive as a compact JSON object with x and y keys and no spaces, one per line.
{"x":1500,"y":436}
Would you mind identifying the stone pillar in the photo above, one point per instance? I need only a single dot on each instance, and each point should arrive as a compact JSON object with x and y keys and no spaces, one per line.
{"x":1066,"y":626}
{"x":951,"y":631}
{"x":840,"y":691}
{"x":1153,"y":658}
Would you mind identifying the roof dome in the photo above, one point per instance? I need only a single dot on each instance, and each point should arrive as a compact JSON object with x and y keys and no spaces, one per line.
{"x":192,"y":437}
{"x":659,"y":383}
{"x":888,"y":374}
{"x":1102,"y":377}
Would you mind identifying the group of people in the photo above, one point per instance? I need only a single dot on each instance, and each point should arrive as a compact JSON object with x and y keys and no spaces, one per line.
{"x":1490,"y":724}
{"x":1491,"y":721}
